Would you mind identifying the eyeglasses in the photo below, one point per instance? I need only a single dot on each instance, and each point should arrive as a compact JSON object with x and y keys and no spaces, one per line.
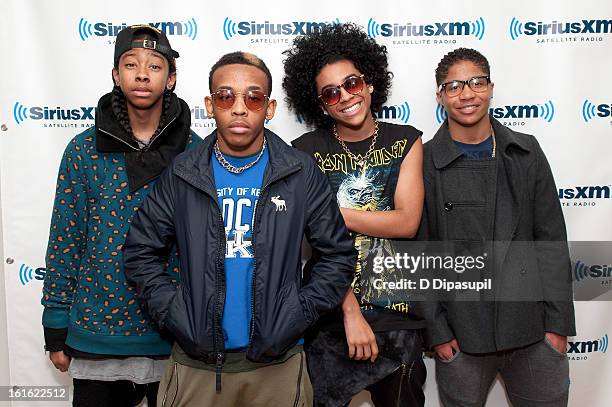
{"x":478,"y":84}
{"x":353,"y":85}
{"x":225,"y":99}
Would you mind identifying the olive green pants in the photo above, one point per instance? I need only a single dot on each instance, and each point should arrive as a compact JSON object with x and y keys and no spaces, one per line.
{"x":285,"y":384}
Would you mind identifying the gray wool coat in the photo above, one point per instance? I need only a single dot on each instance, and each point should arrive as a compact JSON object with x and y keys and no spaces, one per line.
{"x":513,"y":205}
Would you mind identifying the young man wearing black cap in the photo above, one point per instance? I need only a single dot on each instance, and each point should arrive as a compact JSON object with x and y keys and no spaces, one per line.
{"x":238,"y":207}
{"x":93,"y":325}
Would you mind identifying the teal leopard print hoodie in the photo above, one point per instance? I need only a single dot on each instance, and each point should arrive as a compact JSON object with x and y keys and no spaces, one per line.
{"x":89,"y":308}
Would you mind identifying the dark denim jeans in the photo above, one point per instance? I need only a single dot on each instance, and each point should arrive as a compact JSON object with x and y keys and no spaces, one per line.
{"x":535,"y":375}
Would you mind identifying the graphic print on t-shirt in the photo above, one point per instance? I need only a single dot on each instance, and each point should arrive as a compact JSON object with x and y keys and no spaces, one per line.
{"x":340,"y":162}
{"x":237,"y":197}
{"x":367,"y":188}
{"x":237,"y":207}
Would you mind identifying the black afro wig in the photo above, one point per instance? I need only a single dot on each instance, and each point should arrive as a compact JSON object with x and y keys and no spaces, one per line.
{"x":311,"y":52}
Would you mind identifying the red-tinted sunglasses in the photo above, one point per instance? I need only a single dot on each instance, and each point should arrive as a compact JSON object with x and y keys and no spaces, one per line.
{"x":225,"y":99}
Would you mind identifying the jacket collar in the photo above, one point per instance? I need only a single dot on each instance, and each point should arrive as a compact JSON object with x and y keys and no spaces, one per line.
{"x":445,"y":151}
{"x":112,"y":137}
{"x":507,"y":138}
{"x":143,"y":165}
{"x":195,"y":167}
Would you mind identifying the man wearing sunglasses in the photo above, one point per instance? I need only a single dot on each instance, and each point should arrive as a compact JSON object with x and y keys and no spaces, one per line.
{"x":490,"y":191}
{"x":237,"y":209}
{"x":337,"y":80}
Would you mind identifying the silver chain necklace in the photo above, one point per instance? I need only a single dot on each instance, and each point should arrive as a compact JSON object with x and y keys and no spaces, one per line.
{"x":361,"y":162}
{"x":229,"y":167}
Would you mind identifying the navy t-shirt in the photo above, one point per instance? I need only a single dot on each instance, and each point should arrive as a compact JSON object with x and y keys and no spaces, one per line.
{"x":237,"y":195}
{"x":480,"y":151}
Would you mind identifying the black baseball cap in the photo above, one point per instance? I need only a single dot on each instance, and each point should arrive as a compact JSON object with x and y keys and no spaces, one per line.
{"x":125,"y":41}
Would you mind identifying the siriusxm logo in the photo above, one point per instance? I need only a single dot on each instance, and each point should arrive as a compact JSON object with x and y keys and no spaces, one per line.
{"x":441,"y":114}
{"x":22,"y":113}
{"x":582,"y":271}
{"x":188,"y":28}
{"x":597,"y":345}
{"x":436,"y":29}
{"x":399,"y":112}
{"x":590,"y":111}
{"x":585,"y":192}
{"x":199,"y":113}
{"x":243,"y":28}
{"x":544,"y":111}
{"x":584,"y":196}
{"x":200,"y":118}
{"x":28,"y":274}
{"x":518,"y":28}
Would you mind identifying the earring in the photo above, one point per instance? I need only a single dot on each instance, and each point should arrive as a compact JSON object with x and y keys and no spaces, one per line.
{"x":325,"y":113}
{"x":169,"y":87}
{"x":371,"y":88}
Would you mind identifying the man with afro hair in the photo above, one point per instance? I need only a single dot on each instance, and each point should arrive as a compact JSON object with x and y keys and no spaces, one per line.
{"x":337,"y":80}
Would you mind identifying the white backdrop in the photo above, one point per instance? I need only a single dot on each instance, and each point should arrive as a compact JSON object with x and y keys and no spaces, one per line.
{"x":555,"y":85}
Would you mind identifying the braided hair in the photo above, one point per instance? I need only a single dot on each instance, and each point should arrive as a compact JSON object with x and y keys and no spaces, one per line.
{"x":119,"y":103}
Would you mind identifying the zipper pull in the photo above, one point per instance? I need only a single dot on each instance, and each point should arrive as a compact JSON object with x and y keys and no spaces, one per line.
{"x":218,"y":368}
